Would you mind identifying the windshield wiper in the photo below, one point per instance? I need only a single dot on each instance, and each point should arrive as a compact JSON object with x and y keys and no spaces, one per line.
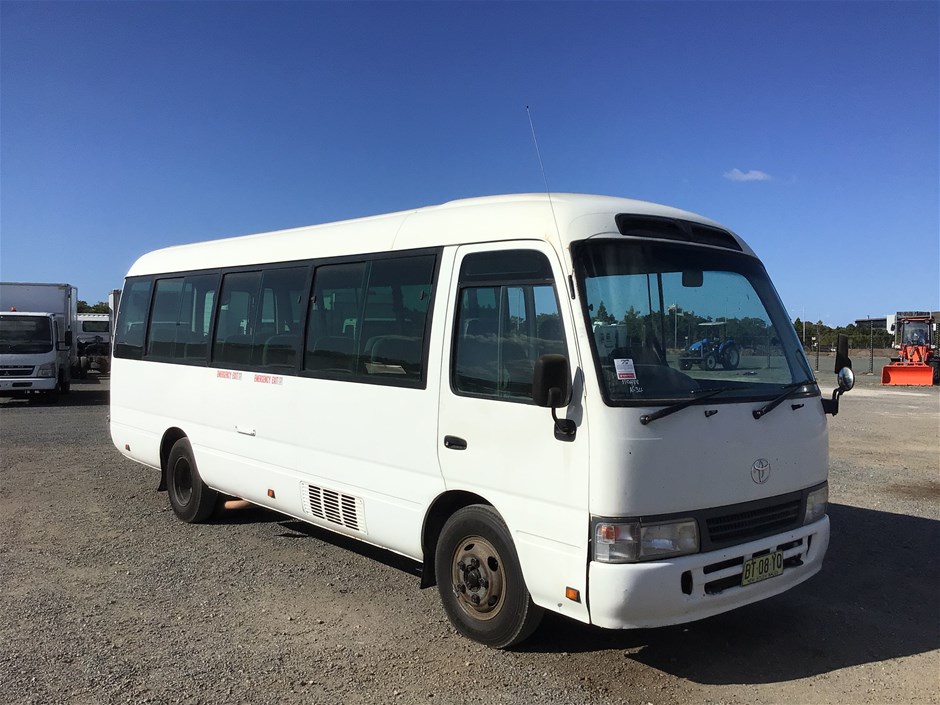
{"x":703,"y":394}
{"x":787,"y":392}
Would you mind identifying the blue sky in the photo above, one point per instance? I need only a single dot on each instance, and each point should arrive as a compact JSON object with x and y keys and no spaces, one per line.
{"x":811,"y":129}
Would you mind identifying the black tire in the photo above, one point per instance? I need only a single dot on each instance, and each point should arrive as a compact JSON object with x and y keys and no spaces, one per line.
{"x":685,"y":365}
{"x":731,"y":357}
{"x":710,"y":362}
{"x":480,"y":581}
{"x":50,"y":397}
{"x":191,"y":499}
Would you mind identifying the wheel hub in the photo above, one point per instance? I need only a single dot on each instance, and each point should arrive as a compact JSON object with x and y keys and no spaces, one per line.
{"x":478,"y":578}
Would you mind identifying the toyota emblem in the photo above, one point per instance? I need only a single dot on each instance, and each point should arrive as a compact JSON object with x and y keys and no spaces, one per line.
{"x":760,"y":471}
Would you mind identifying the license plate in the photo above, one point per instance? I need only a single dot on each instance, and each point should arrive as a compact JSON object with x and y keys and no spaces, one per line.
{"x":760,"y":568}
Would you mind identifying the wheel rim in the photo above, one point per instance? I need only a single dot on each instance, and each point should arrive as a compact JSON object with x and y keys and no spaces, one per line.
{"x":733,"y":357}
{"x":477,"y":577}
{"x":711,"y":362}
{"x":183,"y":481}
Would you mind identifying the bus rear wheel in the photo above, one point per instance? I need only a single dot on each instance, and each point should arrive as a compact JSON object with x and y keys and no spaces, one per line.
{"x":192,"y":500}
{"x":480,"y":580}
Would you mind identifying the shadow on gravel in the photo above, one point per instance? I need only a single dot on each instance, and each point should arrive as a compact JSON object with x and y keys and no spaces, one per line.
{"x":875,"y":599}
{"x":84,"y":395}
{"x":300,"y":529}
{"x":294,"y":529}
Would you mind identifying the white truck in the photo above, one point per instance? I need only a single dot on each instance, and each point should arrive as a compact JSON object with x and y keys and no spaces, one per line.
{"x":38,"y":347}
{"x":94,"y":342}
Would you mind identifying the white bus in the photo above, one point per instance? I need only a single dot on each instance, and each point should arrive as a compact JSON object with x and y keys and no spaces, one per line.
{"x":431,"y":382}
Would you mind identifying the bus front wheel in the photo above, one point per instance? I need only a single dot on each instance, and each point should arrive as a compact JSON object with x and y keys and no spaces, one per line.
{"x":480,"y":581}
{"x":191,"y":499}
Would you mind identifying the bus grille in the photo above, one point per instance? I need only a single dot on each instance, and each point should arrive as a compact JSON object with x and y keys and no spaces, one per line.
{"x":334,"y":507}
{"x":754,"y":523}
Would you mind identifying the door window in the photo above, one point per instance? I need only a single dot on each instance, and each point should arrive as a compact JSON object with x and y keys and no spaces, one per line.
{"x":501,"y":329}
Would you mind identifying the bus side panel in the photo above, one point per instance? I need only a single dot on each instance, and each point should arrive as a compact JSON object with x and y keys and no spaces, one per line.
{"x":355,"y":458}
{"x":144,"y":405}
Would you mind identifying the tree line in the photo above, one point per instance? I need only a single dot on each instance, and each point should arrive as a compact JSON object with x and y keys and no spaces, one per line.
{"x":100,"y":307}
{"x":859,"y":336}
{"x":679,"y":328}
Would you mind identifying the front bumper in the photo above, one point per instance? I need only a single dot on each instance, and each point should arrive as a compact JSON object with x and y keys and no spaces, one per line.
{"x":684,"y":589}
{"x":18,"y":385}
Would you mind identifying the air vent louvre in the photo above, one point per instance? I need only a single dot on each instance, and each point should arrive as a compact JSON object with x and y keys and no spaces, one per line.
{"x":332,"y":506}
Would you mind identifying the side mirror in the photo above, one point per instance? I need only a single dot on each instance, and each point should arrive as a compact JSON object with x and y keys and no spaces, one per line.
{"x":551,"y":387}
{"x":551,"y":381}
{"x":846,"y":378}
{"x":68,"y":338}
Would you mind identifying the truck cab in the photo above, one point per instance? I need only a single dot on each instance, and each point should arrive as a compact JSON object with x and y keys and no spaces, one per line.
{"x":94,"y":342}
{"x":34,"y":354}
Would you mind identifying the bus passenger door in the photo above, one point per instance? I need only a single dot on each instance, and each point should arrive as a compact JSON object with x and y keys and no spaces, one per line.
{"x":506,"y":309}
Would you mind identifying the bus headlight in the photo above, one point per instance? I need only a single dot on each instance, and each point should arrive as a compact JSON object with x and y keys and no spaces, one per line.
{"x":47,"y":370}
{"x":627,"y":542}
{"x":816,"y":504}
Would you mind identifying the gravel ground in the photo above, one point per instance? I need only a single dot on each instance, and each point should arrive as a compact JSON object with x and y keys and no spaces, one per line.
{"x":106,"y":598}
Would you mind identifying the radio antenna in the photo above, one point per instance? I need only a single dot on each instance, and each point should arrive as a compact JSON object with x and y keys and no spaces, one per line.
{"x":548,"y":191}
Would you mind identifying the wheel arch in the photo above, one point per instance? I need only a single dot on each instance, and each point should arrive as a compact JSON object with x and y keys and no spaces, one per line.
{"x":441,"y":509}
{"x":170,"y":437}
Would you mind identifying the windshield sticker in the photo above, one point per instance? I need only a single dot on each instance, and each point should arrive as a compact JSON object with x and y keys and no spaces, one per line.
{"x":625,"y":368}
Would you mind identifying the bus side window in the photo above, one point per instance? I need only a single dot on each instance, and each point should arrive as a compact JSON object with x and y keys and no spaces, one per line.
{"x":277,"y":337}
{"x":367,"y":320}
{"x":132,"y":319}
{"x":178,"y":325}
{"x":192,"y":329}
{"x":232,"y":341}
{"x":334,"y":307}
{"x":394,"y":319}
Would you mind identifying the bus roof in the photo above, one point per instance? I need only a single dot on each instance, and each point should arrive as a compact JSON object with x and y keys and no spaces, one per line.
{"x":473,"y":220}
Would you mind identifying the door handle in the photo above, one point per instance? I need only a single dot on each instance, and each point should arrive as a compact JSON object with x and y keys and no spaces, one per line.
{"x":455,"y":443}
{"x":245,"y":431}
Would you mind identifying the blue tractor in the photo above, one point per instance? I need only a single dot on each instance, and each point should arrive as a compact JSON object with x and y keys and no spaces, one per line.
{"x":712,"y":350}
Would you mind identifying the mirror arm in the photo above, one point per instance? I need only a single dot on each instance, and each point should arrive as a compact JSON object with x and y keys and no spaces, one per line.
{"x":831,"y":406}
{"x":564,"y":428}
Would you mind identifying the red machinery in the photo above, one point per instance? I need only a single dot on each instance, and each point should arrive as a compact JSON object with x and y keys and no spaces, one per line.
{"x":919,"y":361}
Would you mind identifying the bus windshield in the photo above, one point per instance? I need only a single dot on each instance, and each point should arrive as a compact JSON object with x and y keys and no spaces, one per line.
{"x":25,"y":334}
{"x":672,"y":321}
